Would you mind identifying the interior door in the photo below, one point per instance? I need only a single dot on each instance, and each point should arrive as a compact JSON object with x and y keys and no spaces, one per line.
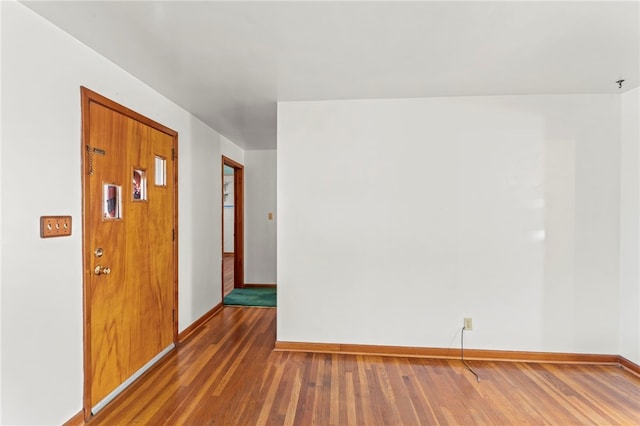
{"x":238,"y":223}
{"x":130,"y":252}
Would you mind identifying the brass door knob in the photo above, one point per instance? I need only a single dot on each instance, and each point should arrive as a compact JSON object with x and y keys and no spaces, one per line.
{"x":102,"y":270}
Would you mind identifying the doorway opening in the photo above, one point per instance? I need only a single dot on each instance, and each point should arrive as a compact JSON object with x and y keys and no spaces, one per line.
{"x":232,"y":225}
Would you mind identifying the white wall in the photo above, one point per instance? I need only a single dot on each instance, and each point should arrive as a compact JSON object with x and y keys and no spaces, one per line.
{"x":199,"y":250}
{"x":231,"y":150}
{"x":1,"y":240}
{"x":630,"y":227}
{"x":41,"y":374}
{"x":260,"y":232}
{"x":397,"y":218}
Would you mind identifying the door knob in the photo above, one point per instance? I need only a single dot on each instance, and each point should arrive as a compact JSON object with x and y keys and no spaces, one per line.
{"x":102,"y":270}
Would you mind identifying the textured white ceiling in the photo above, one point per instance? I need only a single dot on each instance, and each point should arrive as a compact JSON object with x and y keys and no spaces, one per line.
{"x":228,"y":63}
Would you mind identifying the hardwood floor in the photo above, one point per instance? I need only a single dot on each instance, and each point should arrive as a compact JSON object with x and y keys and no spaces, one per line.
{"x":226,"y":373}
{"x":227,"y":273}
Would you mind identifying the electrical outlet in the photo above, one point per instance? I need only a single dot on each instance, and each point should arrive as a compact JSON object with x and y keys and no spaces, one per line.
{"x":468,"y":324}
{"x":55,"y":226}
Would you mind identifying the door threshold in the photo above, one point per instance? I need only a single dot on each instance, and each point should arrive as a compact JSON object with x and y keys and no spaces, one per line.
{"x":107,"y":399}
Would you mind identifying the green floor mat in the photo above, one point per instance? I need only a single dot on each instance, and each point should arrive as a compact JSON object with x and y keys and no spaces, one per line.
{"x":259,"y":296}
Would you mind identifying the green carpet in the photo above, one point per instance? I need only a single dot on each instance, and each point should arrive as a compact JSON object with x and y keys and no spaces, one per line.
{"x":257,"y":296}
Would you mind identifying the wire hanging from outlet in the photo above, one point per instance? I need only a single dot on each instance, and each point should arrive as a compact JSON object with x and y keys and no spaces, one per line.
{"x":462,"y":356}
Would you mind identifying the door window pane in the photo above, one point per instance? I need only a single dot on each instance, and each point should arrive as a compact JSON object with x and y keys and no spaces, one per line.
{"x":139,"y":184}
{"x":161,"y":171}
{"x":112,"y":201}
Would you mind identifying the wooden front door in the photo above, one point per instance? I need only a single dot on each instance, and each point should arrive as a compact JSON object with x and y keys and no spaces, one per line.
{"x":129,"y":243}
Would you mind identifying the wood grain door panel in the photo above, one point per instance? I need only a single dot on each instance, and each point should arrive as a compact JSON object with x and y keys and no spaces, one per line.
{"x":129,"y":311}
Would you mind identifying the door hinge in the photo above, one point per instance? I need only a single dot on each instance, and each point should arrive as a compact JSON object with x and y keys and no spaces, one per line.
{"x":173,"y":153}
{"x":173,"y":315}
{"x":173,"y":235}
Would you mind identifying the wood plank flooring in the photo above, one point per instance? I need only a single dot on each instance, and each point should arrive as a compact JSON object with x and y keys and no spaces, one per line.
{"x":227,"y":374}
{"x":227,"y":274}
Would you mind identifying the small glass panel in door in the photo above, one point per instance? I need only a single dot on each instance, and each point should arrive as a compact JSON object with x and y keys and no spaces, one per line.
{"x":139,"y":185}
{"x":112,"y":201}
{"x":161,"y":171}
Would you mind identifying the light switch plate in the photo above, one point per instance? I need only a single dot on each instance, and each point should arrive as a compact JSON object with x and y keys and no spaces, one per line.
{"x":55,"y":226}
